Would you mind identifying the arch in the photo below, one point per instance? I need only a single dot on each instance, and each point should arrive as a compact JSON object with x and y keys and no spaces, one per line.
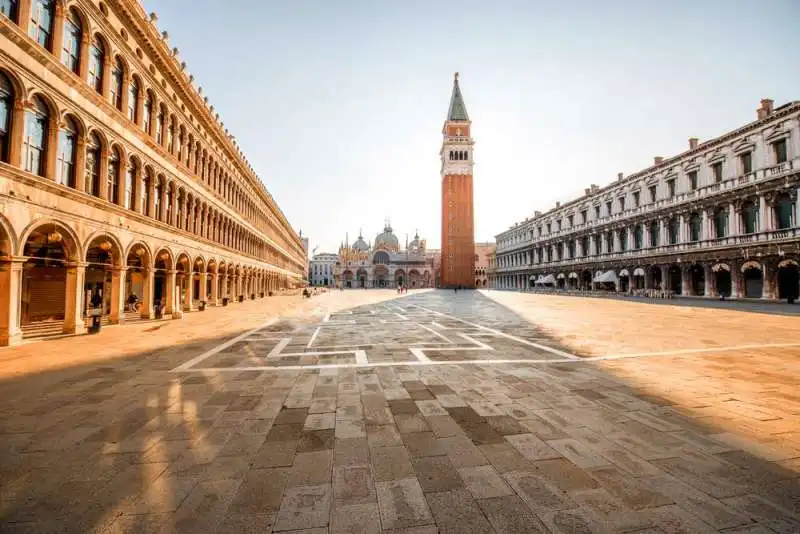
{"x":72,"y":245}
{"x":212,"y":266}
{"x":717,"y":267}
{"x":140,"y":245}
{"x":20,"y":91}
{"x":199,"y":264}
{"x":115,"y":249}
{"x":163,"y":259}
{"x":752,"y":264}
{"x":8,"y":239}
{"x":788,"y":263}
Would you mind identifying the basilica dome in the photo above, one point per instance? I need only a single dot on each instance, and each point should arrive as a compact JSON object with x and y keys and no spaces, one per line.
{"x":387,"y":239}
{"x":360,"y":245}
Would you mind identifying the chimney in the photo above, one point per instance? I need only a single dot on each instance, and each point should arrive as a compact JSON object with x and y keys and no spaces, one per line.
{"x":587,"y":191}
{"x":658,"y":160}
{"x":595,"y":189}
{"x":693,"y":143}
{"x":537,"y":213}
{"x":558,"y":204}
{"x":620,"y":176}
{"x":760,"y":113}
{"x":766,"y":105}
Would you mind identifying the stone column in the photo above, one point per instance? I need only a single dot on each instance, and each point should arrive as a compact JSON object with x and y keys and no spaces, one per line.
{"x":151,"y":198}
{"x":148,"y":296}
{"x":214,"y":289}
{"x":733,"y":227}
{"x":686,"y":281}
{"x":169,"y":298}
{"x":73,"y":318}
{"x":138,"y":183}
{"x":203,"y":281}
{"x":705,"y":233}
{"x":83,"y":56}
{"x":762,"y":214}
{"x":663,"y":238}
{"x":224,"y":288}
{"x":117,"y":295}
{"x":24,"y":14}
{"x":10,"y":298}
{"x":80,"y":164}
{"x":664,"y":277}
{"x":188,"y":296}
{"x":797,"y":208}
{"x":737,"y":281}
{"x":57,"y":36}
{"x":710,"y":289}
{"x":770,"y":274}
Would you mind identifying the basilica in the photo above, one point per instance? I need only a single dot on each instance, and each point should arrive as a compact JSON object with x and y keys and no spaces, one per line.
{"x":384,"y":263}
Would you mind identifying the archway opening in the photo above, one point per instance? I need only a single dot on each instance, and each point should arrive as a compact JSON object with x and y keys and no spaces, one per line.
{"x":44,"y":279}
{"x":586,"y":280}
{"x":136,"y":282}
{"x":722,"y":279}
{"x":361,"y":275}
{"x":655,"y":277}
{"x":697,"y":278}
{"x":674,"y":278}
{"x":381,"y":276}
{"x":753,"y":282}
{"x":198,"y":288}
{"x":102,"y":255}
{"x":624,"y":280}
{"x":788,"y":280}
{"x":183,"y":270}
{"x":161,"y":268}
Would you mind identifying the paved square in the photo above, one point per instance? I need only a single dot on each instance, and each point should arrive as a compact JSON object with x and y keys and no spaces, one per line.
{"x":435,"y":412}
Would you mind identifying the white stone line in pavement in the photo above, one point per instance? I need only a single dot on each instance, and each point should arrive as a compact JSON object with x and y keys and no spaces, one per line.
{"x":403,"y":317}
{"x":434,"y":332}
{"x":439,"y":326}
{"x":539,"y":346}
{"x":314,"y":336}
{"x":276,"y":350}
{"x":221,"y":347}
{"x":419,"y":354}
{"x":361,"y":357}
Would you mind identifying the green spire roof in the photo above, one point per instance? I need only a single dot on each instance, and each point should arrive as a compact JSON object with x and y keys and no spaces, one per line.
{"x":457,"y":111}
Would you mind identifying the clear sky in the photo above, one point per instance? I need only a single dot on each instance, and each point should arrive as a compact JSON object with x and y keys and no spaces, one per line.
{"x":339,"y":105}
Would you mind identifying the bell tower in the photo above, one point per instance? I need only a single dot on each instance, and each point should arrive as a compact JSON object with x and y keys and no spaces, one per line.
{"x":458,"y":232}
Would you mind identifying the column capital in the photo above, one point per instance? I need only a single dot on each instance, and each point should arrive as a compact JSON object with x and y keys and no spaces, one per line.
{"x":12,"y":262}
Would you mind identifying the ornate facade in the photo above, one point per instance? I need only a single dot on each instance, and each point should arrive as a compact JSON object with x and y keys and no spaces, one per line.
{"x":385,"y":264}
{"x":458,"y":233}
{"x":719,"y":219}
{"x":483,"y":253}
{"x":119,"y":186}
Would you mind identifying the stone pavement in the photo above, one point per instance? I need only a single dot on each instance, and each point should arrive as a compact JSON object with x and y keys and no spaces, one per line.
{"x":435,"y":412}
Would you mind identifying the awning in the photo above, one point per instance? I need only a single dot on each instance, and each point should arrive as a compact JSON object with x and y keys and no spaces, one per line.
{"x":549,"y":279}
{"x":533,"y":277}
{"x":638,"y":272}
{"x":561,"y":276}
{"x":608,"y":276}
{"x":573,"y":275}
{"x":624,"y":272}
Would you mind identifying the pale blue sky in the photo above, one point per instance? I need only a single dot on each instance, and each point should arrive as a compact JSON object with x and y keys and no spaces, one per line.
{"x":339,"y":105}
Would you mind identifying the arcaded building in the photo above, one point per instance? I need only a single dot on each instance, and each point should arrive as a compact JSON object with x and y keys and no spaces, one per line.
{"x":483,"y":256}
{"x":720,"y":218}
{"x":120,"y":188}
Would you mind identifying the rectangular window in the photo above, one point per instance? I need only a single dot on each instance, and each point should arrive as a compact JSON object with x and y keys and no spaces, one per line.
{"x":747,"y":162}
{"x":716,"y":169}
{"x":570,"y":219}
{"x":608,"y":208}
{"x":636,"y":199}
{"x":653,"y":191}
{"x":670,"y":188}
{"x":692,"y":180}
{"x":596,"y":212}
{"x":558,"y":225}
{"x":779,"y":148}
{"x":583,"y":217}
{"x":548,"y":228}
{"x":621,"y":203}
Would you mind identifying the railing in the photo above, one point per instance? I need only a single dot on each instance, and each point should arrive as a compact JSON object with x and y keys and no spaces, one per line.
{"x":767,"y":173}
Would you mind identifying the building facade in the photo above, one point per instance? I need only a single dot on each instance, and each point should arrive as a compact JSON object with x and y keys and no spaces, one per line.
{"x":120,"y":188}
{"x":719,"y":219}
{"x":458,"y":233}
{"x":321,"y":269}
{"x":385,"y":264}
{"x":483,"y":253}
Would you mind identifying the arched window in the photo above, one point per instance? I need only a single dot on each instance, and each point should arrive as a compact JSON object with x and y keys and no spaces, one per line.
{"x":674,"y":230}
{"x":610,"y":241}
{"x":117,"y":77}
{"x":67,"y":144}
{"x":638,"y":237}
{"x":145,"y":192}
{"x":35,"y":142}
{"x":451,"y":155}
{"x":9,"y":8}
{"x":783,"y":212}
{"x":160,"y":126}
{"x":97,"y":58}
{"x":157,"y":199}
{"x":696,"y":225}
{"x":6,"y":115}
{"x":133,"y":100}
{"x":71,"y":48}
{"x":623,"y":239}
{"x":148,"y":113}
{"x":112,"y":180}
{"x":585,"y":246}
{"x":92,"y":177}
{"x":721,"y":222}
{"x":749,"y":217}
{"x":130,"y":185}
{"x":41,"y":26}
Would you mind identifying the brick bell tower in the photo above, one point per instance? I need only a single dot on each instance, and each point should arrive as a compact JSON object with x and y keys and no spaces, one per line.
{"x":458,"y":232}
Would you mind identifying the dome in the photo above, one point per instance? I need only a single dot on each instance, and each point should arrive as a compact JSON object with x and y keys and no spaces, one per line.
{"x":387,"y":239}
{"x":360,"y":244}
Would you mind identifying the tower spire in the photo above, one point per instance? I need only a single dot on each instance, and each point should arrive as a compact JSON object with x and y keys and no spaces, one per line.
{"x":457,"y":110}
